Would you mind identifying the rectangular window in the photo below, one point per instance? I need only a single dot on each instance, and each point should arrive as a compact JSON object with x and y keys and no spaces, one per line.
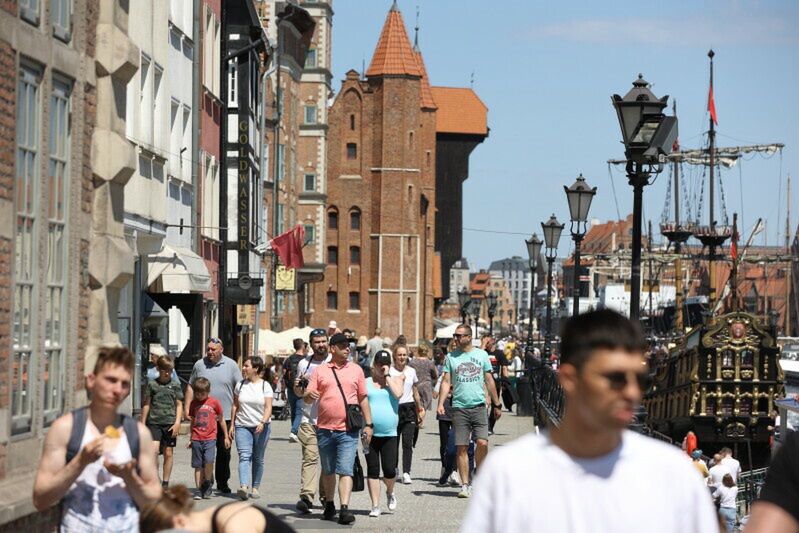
{"x":332,"y":255}
{"x":355,"y":301}
{"x":352,"y":151}
{"x":281,"y":161}
{"x":310,"y":58}
{"x":310,"y":114}
{"x":310,"y":183}
{"x":29,"y":11}
{"x":332,"y":300}
{"x":57,"y":266}
{"x":25,"y":251}
{"x":60,"y":17}
{"x":145,"y":99}
{"x":310,"y":233}
{"x":355,"y":255}
{"x":280,"y":222}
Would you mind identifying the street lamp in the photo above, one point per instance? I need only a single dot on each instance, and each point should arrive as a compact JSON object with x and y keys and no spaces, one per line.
{"x":648,"y":136}
{"x":475,"y":304}
{"x":579,"y":196}
{"x":463,"y":303}
{"x":491,"y":300}
{"x":552,"y":230}
{"x":533,"y":252}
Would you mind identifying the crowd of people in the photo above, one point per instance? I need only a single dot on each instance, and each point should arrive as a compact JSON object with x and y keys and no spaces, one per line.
{"x":344,"y":393}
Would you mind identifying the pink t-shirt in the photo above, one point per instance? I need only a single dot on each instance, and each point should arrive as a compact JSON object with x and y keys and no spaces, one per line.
{"x":332,"y":413}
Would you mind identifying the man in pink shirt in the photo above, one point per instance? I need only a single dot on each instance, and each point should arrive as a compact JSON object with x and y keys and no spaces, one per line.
{"x":337,"y":384}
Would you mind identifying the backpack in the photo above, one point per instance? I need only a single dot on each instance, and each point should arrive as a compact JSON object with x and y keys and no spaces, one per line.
{"x":290,"y":368}
{"x":79,"y":416}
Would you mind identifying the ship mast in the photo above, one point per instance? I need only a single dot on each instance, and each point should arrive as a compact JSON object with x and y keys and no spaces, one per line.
{"x":678,"y":297}
{"x":711,"y":216}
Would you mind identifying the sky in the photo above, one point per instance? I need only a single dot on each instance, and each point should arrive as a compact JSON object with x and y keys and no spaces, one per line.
{"x":546,"y":71}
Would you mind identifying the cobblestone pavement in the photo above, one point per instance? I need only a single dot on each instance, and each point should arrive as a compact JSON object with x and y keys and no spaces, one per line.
{"x":422,"y":505}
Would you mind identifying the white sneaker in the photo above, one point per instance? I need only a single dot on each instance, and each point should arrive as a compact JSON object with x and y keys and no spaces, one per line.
{"x":454,"y":479}
{"x":392,"y":502}
{"x":406,"y":478}
{"x":375,"y":512}
{"x":466,"y":491}
{"x":293,"y":437}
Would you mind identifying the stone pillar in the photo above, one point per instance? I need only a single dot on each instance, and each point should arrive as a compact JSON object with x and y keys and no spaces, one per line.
{"x":113,"y":161}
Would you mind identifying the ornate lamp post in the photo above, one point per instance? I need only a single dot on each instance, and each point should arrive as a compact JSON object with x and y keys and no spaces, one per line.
{"x":463,"y":302}
{"x":552,"y":230}
{"x":533,"y":251}
{"x":648,"y":136}
{"x":475,"y":304}
{"x":579,"y":196}
{"x":491,"y":300}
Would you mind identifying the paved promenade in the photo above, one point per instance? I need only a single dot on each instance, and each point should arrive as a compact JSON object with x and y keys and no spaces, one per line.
{"x":422,"y":505}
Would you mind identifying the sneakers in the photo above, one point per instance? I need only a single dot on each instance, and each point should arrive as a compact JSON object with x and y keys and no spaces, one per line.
{"x":330,"y":511}
{"x":304,"y":505}
{"x":205,"y":490}
{"x":223,"y":489}
{"x":345,"y":516}
{"x":255,"y":494}
{"x":375,"y":512}
{"x":198,"y":494}
{"x":406,"y":478}
{"x":392,"y":502}
{"x":165,"y":484}
{"x":242,"y":492}
{"x":293,"y":437}
{"x":466,"y":491}
{"x":443,"y":481}
{"x":454,"y":479}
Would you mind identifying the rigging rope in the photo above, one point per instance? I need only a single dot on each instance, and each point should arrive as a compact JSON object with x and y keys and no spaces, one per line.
{"x":664,"y":217}
{"x":724,"y":220}
{"x":741,"y":189}
{"x":613,"y":186}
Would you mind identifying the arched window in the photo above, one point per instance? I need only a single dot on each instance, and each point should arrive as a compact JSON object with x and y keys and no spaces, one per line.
{"x":747,"y":358}
{"x":332,"y":218}
{"x":332,"y":255}
{"x":355,"y":255}
{"x":355,"y":219}
{"x":332,"y":300}
{"x":727,"y":358}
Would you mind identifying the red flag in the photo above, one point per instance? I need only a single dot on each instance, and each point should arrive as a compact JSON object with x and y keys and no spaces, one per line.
{"x":288,"y":246}
{"x":711,"y":106}
{"x":734,"y":244}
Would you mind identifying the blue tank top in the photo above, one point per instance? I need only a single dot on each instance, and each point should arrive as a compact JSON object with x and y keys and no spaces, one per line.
{"x":385,"y":410}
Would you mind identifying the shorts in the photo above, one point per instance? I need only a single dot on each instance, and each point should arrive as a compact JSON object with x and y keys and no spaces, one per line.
{"x":162,"y":433}
{"x":337,"y":451}
{"x":203,"y":452}
{"x":468,"y":420}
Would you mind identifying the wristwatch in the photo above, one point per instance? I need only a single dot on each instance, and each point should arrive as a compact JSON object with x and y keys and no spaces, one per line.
{"x":372,"y":426}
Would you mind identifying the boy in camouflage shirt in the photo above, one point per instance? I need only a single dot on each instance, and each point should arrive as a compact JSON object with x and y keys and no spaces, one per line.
{"x":163,"y":406}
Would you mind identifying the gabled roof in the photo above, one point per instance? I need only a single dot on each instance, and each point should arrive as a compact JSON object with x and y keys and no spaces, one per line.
{"x":460,"y":110}
{"x":393,"y":53}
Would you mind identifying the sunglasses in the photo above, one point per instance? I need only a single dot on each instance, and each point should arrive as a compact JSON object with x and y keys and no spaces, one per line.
{"x":460,"y":335}
{"x":215,"y":340}
{"x":619,"y":380}
{"x":319,"y":333}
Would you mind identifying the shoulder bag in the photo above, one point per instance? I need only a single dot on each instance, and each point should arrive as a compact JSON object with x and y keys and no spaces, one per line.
{"x":354,"y":415}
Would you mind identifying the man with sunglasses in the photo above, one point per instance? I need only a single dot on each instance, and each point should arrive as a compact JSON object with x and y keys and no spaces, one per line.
{"x":309,"y":471}
{"x":591,"y":473}
{"x":224,"y":374}
{"x":468,"y":371}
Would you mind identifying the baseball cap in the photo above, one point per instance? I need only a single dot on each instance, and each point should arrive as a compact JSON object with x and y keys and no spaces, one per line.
{"x":339,"y":338}
{"x":382,"y":358}
{"x":332,"y":324}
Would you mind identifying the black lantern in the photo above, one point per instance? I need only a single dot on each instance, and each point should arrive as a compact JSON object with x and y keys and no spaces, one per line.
{"x":648,"y":135}
{"x":552,"y":230}
{"x":579,"y":196}
{"x":533,"y":251}
{"x":491,"y":300}
{"x":463,"y":303}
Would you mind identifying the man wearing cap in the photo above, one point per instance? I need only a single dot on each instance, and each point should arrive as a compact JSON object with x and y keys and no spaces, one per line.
{"x":309,"y":472}
{"x":156,"y":351}
{"x":224,"y":375}
{"x":332,"y":328}
{"x":336,"y":385}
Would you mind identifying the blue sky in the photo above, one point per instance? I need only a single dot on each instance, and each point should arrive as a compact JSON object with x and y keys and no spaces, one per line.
{"x":546,"y":74}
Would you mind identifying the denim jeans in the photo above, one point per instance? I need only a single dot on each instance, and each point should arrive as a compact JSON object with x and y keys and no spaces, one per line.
{"x":251,"y":448}
{"x":295,"y":403}
{"x":729,"y":515}
{"x":337,"y":451}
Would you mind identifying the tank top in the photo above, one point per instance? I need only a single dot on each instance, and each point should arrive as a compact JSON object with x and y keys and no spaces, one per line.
{"x":98,"y":501}
{"x":273,"y":523}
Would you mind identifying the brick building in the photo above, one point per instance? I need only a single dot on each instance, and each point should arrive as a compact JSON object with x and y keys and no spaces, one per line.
{"x":382,"y":267}
{"x":63,"y":255}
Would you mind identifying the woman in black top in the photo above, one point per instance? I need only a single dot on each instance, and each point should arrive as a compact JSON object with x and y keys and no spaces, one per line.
{"x":173,"y":510}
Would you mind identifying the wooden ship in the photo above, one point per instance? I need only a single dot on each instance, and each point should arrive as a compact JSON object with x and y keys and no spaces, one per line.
{"x":721,"y":383}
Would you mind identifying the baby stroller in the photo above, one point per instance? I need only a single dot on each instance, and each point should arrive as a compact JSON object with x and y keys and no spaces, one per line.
{"x":280,"y":407}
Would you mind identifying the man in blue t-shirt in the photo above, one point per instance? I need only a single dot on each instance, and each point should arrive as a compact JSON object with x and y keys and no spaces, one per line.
{"x":468,"y":371}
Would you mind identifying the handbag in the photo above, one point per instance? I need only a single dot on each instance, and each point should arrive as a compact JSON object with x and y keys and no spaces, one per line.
{"x":357,"y":475}
{"x":354,"y":418}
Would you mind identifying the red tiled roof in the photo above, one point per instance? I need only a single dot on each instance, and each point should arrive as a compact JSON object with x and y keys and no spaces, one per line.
{"x":460,"y":110}
{"x":426,"y":93}
{"x":393,"y":54}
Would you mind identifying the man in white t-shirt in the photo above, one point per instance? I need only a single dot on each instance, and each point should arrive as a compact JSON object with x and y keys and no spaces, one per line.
{"x":591,"y":474}
{"x":309,"y":473}
{"x":717,"y":471}
{"x":730,"y":462}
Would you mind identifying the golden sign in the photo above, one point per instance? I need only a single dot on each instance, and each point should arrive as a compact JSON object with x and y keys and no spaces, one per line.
{"x":286,"y":279}
{"x":245,"y":315}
